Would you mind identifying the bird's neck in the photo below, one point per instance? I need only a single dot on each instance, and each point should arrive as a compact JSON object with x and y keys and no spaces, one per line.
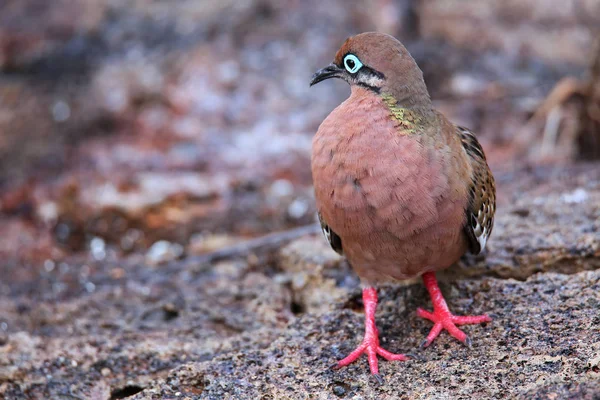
{"x":408,"y":89}
{"x":417,"y":101}
{"x":412,"y":115}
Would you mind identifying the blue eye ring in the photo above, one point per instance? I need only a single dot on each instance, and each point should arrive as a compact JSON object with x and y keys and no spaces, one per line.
{"x":352,"y":63}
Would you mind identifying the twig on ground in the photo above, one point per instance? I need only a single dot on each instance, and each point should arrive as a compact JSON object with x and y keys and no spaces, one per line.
{"x":263,"y":243}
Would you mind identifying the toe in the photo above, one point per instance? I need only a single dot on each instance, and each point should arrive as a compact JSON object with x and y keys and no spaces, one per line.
{"x":391,"y":356}
{"x":435,"y":331}
{"x":455,"y":332}
{"x":476,"y":319}
{"x":351,"y":357}
{"x":373,"y":364}
{"x":425,"y":314}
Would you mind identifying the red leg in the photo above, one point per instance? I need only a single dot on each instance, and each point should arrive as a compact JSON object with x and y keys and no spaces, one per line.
{"x":442,"y":317}
{"x":370,"y":344}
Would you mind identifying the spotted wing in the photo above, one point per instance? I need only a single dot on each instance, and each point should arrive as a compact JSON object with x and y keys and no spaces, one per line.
{"x":334,"y":240}
{"x":482,"y":191}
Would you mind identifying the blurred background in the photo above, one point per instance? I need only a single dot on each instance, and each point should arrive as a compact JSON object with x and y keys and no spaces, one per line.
{"x":134,"y":133}
{"x":127,"y":123}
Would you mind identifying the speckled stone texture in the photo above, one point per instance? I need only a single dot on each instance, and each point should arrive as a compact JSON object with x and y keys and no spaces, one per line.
{"x":270,"y":325}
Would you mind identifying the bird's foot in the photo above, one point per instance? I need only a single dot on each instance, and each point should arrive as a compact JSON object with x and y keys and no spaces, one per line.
{"x":370,"y":347}
{"x":445,"y":320}
{"x":370,"y":344}
{"x":442,"y":317}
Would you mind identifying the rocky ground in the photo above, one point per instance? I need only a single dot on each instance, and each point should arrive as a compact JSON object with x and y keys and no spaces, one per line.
{"x":269,"y":324}
{"x":147,"y":149}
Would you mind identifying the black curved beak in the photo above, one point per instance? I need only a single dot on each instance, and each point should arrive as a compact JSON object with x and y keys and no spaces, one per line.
{"x":330,"y":71}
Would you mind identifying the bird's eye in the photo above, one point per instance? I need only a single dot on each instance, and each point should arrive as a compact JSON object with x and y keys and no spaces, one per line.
{"x":352,"y":63}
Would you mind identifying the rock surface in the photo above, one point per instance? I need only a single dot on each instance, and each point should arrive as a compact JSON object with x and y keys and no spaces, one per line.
{"x":269,"y":325}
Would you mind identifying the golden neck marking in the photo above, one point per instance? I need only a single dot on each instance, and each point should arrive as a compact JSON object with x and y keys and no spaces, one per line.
{"x":408,"y":121}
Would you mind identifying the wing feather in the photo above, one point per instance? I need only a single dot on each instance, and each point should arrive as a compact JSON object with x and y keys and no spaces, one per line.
{"x":334,"y":240}
{"x":482,"y":191}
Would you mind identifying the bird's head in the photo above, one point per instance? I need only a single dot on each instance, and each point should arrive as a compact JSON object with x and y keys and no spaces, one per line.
{"x":379,"y":63}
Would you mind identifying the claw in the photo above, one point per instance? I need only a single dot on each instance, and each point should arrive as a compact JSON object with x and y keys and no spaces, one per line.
{"x":468,"y":342}
{"x":415,"y":356}
{"x":379,"y":379}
